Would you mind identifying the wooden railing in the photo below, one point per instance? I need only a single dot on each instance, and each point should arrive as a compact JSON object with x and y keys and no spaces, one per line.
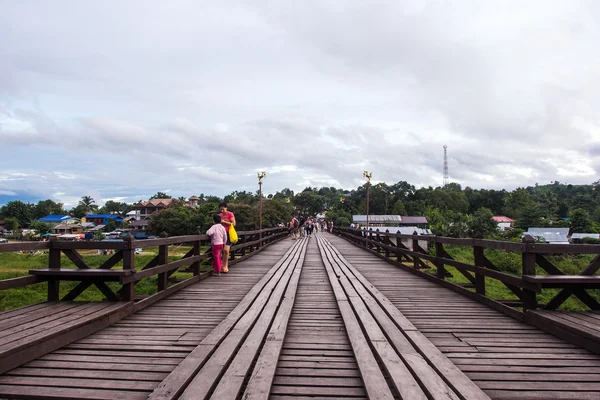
{"x":414,"y":254}
{"x":124,"y":251}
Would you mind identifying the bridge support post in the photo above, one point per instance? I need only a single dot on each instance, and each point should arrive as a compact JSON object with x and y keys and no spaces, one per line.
{"x":195,"y":267}
{"x":163,"y":258}
{"x":128,"y":291}
{"x":479,"y":256}
{"x":528,"y":268}
{"x":54,"y":263}
{"x":439,"y":253}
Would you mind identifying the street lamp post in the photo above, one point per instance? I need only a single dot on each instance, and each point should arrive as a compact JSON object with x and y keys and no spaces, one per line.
{"x":260,"y":175}
{"x":367,"y":175}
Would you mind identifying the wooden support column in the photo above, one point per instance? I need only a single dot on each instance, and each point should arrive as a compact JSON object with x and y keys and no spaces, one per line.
{"x":128,"y":291}
{"x":53,"y":263}
{"x":388,"y":242}
{"x":415,"y":247}
{"x":439,"y":253}
{"x":478,"y":253}
{"x":163,"y":258}
{"x":195,"y":267}
{"x":528,"y":268}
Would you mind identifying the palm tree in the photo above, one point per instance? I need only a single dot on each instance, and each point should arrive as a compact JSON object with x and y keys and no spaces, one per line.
{"x":88,"y":203}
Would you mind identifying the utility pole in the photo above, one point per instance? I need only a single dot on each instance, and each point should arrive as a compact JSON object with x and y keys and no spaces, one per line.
{"x":260,"y":175}
{"x":368,"y":175}
{"x":446,"y":180}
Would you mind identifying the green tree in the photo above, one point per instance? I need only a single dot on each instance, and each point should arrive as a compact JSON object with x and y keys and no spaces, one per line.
{"x":112,"y":207}
{"x":563,"y":209}
{"x":41,"y":228}
{"x":110,"y":226}
{"x":580,"y":221}
{"x":88,"y":203}
{"x":399,"y":208}
{"x":160,"y":195}
{"x":23,"y":212}
{"x":530,"y":217}
{"x":482,"y":224}
{"x":175,"y":221}
{"x":308,"y":202}
{"x":47,"y":207}
{"x":98,"y":235}
{"x":11,"y":224}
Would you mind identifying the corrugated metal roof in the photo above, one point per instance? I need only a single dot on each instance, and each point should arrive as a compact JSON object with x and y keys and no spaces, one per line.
{"x":502,"y":218}
{"x":585,"y":235}
{"x":55,"y":218}
{"x":407,"y":219}
{"x":562,"y":231}
{"x":550,"y":235}
{"x":377,"y":218}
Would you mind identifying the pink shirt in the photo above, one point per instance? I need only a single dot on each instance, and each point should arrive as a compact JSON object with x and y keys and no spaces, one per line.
{"x":218,"y":234}
{"x":227,"y":217}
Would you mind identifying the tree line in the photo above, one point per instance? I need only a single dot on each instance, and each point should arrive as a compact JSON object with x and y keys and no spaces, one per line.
{"x":451,"y":210}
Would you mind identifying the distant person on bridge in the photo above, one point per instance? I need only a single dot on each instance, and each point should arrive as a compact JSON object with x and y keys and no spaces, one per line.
{"x":227,"y":220}
{"x":218,"y":238}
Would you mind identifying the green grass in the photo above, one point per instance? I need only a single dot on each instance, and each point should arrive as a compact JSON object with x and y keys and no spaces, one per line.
{"x":510,"y":262}
{"x":13,"y":265}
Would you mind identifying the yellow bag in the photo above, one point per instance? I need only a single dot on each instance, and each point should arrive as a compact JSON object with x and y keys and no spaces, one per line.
{"x":233,"y":237}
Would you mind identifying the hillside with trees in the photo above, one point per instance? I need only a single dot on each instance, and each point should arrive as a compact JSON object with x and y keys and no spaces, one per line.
{"x":451,"y":210}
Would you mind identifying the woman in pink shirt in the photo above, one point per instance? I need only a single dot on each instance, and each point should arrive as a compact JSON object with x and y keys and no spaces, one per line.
{"x":218,"y":238}
{"x":227,"y":220}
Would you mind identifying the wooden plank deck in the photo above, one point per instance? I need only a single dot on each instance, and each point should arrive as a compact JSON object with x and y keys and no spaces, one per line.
{"x":30,"y":332}
{"x":317,"y":359}
{"x":129,"y":359}
{"x":508,"y":359}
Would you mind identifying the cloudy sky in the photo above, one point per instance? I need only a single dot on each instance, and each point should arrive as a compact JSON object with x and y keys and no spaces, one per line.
{"x":121,"y":99}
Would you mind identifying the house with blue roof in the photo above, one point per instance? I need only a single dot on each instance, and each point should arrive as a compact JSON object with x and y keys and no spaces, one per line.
{"x":57,"y":219}
{"x":102,"y":219}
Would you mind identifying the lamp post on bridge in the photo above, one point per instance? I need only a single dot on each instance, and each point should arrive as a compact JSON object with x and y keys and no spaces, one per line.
{"x":367,"y":175}
{"x":260,"y":175}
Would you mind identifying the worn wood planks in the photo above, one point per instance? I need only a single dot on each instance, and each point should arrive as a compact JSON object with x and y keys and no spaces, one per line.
{"x":316,"y":360}
{"x":416,"y":368}
{"x":488,"y":346}
{"x":197,"y":376}
{"x":142,"y":349}
{"x":31,"y":332}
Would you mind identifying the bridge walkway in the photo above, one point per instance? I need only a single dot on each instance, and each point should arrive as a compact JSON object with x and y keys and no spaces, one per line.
{"x":508,"y":359}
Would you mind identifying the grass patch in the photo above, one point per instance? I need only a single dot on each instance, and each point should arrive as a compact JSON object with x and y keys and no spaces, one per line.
{"x":13,"y":265}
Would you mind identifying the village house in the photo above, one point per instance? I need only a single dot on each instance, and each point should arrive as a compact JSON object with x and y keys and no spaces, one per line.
{"x":550,"y":235}
{"x":102,"y":219}
{"x":58,"y":219}
{"x":146,"y":208}
{"x":70,"y":229}
{"x":504,"y":223}
{"x":390,"y":220}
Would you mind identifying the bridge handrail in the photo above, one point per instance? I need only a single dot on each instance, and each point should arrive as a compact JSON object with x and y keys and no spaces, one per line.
{"x":387,"y":245}
{"x":249,"y":242}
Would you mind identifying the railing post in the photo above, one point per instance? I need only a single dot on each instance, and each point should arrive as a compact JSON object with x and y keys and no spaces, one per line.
{"x":128,"y":291}
{"x":53,"y":263}
{"x":415,"y":246}
{"x":163,"y":258}
{"x":398,"y":247}
{"x":439,"y":264}
{"x":479,"y":256}
{"x":528,"y":268}
{"x":387,"y":242}
{"x":195,"y":267}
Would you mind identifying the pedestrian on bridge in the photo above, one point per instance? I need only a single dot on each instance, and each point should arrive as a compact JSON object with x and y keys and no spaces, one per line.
{"x":218,"y":237}
{"x":227,"y":220}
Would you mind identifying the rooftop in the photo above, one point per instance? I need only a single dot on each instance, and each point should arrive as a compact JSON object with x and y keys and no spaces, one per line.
{"x":55,"y":218}
{"x":502,"y":218}
{"x":109,"y":216}
{"x":155,"y":203}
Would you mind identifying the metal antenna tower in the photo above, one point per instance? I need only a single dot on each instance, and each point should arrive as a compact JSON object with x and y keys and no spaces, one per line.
{"x":445,"y":166}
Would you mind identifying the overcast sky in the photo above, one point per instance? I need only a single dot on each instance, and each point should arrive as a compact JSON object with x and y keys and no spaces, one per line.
{"x":121,"y":99}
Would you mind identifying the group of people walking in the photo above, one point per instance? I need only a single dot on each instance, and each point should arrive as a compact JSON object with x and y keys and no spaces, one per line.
{"x":301,"y":226}
{"x":220,"y":240}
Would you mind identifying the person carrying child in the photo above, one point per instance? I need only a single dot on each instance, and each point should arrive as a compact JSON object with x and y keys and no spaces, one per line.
{"x":218,"y":238}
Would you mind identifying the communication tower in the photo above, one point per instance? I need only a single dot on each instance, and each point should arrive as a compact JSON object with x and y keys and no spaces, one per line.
{"x":445,"y":166}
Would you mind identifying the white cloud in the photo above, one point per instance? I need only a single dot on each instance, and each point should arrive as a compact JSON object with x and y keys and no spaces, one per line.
{"x":313,"y":93}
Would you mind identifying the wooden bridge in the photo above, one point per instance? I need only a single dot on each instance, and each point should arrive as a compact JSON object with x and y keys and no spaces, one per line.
{"x":333,"y":316}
